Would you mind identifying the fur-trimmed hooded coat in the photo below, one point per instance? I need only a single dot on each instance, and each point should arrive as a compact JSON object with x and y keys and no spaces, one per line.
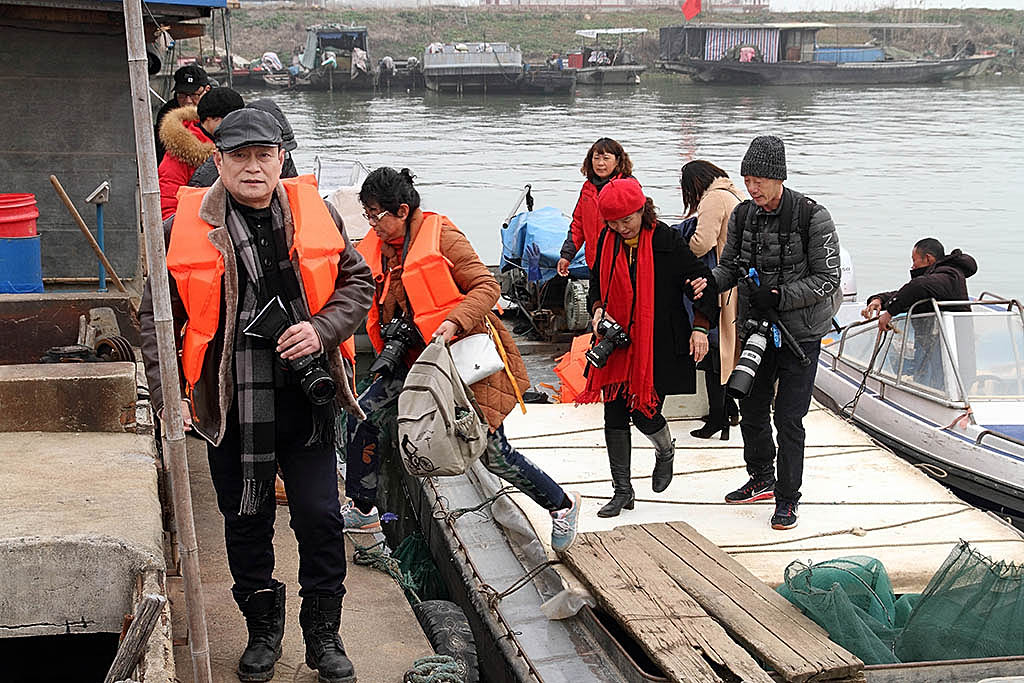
{"x":188,"y":146}
{"x":335,"y":322}
{"x":494,"y":394}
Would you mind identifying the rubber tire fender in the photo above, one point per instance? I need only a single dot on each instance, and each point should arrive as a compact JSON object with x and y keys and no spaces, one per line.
{"x":449,"y":633}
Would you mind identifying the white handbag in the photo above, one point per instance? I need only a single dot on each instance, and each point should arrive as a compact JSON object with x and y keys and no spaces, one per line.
{"x":476,"y":357}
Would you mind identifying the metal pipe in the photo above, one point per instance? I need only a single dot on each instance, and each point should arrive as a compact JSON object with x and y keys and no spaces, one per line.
{"x":515,"y":207}
{"x":99,"y":240}
{"x":85,"y":229}
{"x":173,"y":427}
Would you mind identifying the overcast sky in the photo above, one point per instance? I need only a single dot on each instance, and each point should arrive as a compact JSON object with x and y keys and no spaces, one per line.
{"x":843,"y":5}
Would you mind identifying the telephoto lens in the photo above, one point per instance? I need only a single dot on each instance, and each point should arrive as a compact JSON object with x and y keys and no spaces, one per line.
{"x":742,"y":377}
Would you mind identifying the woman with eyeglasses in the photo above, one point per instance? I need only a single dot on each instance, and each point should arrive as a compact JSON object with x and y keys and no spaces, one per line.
{"x":647,"y":348}
{"x":605,"y":160}
{"x":410,"y":246}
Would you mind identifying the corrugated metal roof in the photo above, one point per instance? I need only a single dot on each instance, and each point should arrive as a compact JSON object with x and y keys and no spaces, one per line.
{"x":186,"y":3}
{"x":595,"y":32}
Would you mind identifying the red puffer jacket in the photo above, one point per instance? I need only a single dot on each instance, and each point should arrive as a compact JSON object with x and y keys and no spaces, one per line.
{"x":188,"y":146}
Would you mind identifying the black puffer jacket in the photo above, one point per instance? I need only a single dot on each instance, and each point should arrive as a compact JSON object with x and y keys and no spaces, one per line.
{"x":944,"y":280}
{"x":807,"y":277}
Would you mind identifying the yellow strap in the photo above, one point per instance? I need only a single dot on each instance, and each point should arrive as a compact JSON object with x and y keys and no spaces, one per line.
{"x":504,"y":360}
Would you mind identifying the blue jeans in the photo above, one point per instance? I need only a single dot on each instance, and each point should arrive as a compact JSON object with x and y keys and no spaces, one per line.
{"x":363,"y":454}
{"x":792,"y":399}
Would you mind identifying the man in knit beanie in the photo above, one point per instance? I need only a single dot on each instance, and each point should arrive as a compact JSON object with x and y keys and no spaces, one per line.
{"x":791,"y":241}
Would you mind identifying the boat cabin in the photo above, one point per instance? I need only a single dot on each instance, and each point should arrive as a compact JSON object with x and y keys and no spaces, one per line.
{"x":768,"y":43}
{"x":333,"y":43}
{"x":953,"y":356}
{"x":610,"y":52}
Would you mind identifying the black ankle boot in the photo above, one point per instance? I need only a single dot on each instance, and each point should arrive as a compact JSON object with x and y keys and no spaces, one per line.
{"x":619,"y":443}
{"x":664,"y":458}
{"x":320,"y":618}
{"x":264,"y":619}
{"x":710,"y":429}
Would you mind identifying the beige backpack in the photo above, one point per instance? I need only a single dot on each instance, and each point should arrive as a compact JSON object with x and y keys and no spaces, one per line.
{"x":441,"y":429}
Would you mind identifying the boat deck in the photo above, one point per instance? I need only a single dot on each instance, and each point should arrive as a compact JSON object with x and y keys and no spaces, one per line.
{"x":858,"y":498}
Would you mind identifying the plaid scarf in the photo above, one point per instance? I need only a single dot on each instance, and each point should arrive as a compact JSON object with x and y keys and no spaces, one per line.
{"x":255,"y":359}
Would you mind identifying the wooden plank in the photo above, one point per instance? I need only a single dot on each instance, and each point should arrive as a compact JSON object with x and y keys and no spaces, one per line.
{"x":790,"y":642}
{"x":669,"y":625}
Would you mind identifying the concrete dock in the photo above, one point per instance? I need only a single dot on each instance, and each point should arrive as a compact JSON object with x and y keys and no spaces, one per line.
{"x":380,"y":632}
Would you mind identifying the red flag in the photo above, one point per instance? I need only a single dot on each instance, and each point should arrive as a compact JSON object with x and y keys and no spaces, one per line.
{"x":691,"y":8}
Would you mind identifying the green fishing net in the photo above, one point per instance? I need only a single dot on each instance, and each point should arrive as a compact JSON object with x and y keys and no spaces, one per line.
{"x":972,"y":607}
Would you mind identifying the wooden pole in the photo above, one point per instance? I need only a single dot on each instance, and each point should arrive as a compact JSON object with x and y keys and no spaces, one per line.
{"x":173,"y":427}
{"x":85,"y":231}
{"x":134,"y":643}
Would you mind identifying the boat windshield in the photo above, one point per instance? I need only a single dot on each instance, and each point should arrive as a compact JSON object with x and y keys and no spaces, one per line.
{"x":986,"y":344}
{"x":989,"y":345}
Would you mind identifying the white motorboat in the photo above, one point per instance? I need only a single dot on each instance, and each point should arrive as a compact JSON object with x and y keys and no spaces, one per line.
{"x":944,"y":388}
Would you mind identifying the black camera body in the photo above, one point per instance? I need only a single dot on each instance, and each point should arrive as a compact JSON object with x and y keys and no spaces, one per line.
{"x":399,"y":334}
{"x":612,"y":337}
{"x":311,"y":371}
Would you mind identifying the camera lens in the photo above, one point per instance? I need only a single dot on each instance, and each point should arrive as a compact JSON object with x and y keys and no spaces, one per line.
{"x":320,"y":389}
{"x":742,"y":378}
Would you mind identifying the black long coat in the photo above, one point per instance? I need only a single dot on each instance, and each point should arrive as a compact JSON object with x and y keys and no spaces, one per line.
{"x":674,"y":264}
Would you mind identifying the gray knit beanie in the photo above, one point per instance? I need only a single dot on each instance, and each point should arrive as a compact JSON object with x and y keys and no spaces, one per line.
{"x":766,"y":158}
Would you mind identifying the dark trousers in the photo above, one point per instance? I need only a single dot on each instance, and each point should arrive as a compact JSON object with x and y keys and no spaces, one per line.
{"x":792,"y":399}
{"x":311,"y":482}
{"x":362,"y":463}
{"x":617,"y":416}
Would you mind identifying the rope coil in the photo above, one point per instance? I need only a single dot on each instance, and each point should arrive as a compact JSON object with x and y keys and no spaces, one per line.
{"x":434,"y":669}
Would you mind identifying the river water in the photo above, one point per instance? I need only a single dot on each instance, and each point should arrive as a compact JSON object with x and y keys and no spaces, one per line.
{"x":892,"y":164}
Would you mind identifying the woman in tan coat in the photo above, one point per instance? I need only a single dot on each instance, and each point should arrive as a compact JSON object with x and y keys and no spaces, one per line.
{"x":708,"y":193}
{"x":392,"y":207}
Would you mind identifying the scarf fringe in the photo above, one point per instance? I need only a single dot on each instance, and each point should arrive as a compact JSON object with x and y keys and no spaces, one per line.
{"x":254,"y":493}
{"x":325,"y":421}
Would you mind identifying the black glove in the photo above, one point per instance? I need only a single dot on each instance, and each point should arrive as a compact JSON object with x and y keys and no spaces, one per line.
{"x":764,"y":298}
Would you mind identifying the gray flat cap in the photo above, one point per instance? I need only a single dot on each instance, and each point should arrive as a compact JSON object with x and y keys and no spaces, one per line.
{"x":245,"y":128}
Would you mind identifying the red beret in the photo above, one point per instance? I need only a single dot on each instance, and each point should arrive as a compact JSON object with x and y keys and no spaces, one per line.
{"x":619,"y":198}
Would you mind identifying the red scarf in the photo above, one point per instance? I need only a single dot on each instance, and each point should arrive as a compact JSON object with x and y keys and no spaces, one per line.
{"x":629,"y":372}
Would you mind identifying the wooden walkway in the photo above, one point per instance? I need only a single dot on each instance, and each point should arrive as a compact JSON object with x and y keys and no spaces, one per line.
{"x":698,"y":613}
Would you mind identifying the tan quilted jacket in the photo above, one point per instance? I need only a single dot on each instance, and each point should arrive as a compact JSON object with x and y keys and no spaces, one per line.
{"x":495,"y":393}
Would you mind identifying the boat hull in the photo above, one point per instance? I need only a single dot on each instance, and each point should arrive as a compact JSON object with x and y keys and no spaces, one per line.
{"x":498,"y":79}
{"x":811,"y":73}
{"x":610,"y":75}
{"x":990,"y":473}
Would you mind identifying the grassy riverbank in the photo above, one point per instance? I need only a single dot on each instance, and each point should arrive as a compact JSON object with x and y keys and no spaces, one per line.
{"x":543,"y":31}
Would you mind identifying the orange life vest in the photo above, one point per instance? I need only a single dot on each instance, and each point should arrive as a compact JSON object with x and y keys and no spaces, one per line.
{"x":426,"y":277}
{"x":198,"y":267}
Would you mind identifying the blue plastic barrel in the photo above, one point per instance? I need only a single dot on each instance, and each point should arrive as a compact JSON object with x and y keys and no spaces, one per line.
{"x":21,"y":268}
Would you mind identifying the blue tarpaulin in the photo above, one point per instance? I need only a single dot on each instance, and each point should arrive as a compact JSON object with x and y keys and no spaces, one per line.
{"x":546,"y":227}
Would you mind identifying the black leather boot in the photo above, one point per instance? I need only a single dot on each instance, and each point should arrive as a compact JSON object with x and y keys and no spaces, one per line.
{"x":664,"y":457}
{"x":320,"y":618}
{"x":620,"y":448}
{"x":264,"y":619}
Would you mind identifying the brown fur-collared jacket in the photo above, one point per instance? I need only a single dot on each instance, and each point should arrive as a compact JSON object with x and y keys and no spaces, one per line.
{"x":495,"y":394}
{"x":336,"y":321}
{"x":188,"y":146}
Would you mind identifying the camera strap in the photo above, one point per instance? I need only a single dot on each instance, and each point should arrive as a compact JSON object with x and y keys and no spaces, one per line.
{"x":615,"y":258}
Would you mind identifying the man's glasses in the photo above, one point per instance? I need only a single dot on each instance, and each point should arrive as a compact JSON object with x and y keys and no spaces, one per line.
{"x":374,"y":219}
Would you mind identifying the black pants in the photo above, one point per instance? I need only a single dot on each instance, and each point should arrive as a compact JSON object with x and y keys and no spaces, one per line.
{"x":311,"y":482}
{"x":617,"y":415}
{"x":792,"y":399}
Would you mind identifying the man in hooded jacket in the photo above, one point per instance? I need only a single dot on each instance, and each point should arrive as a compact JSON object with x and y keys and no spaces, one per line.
{"x":933,"y":275}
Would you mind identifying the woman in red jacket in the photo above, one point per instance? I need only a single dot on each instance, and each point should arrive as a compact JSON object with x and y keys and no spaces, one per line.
{"x":605,"y":160}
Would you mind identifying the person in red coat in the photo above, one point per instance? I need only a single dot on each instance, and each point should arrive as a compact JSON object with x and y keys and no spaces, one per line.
{"x":187,"y":135}
{"x":605,"y":160}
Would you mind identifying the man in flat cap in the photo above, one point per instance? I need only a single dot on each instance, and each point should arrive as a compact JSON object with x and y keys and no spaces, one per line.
{"x":191,"y":82}
{"x":791,"y":241}
{"x":248,"y":257}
